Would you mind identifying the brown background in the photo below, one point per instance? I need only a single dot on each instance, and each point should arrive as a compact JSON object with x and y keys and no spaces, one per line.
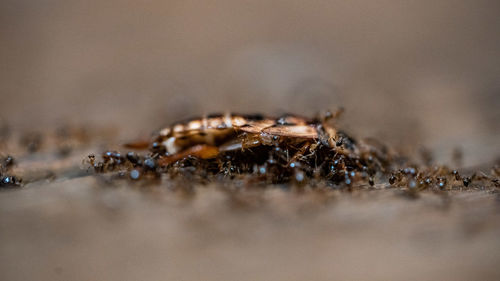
{"x":408,"y":72}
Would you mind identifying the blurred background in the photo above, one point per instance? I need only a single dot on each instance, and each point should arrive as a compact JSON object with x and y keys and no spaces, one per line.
{"x":408,"y":72}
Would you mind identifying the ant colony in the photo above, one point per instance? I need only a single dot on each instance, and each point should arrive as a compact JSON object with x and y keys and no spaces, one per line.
{"x":289,"y":150}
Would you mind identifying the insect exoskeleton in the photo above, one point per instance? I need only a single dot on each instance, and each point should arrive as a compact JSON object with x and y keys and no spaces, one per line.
{"x":206,"y":137}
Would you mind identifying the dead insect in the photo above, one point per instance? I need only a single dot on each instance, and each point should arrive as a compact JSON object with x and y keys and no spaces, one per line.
{"x":91,"y":159}
{"x":209,"y":136}
{"x":288,"y":148}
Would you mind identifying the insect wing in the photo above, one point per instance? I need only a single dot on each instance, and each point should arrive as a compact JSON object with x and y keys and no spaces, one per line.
{"x":298,"y":131}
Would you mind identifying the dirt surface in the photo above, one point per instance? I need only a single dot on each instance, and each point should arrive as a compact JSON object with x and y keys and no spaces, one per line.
{"x":72,"y":230}
{"x":67,"y":223}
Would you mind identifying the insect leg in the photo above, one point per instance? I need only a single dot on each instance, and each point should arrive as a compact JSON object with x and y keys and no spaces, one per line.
{"x":202,"y":151}
{"x":305,"y":146}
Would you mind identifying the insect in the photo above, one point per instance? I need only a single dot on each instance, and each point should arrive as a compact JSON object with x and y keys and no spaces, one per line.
{"x":209,"y":136}
{"x":276,"y":149}
{"x":282,"y":149}
{"x":6,"y":180}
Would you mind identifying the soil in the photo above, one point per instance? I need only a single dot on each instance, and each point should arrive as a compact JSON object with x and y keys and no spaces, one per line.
{"x":66,"y":222}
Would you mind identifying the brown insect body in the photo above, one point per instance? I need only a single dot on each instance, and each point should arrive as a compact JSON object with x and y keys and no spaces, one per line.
{"x":256,"y":148}
{"x":206,"y":137}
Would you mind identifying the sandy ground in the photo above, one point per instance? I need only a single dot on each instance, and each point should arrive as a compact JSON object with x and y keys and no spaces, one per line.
{"x":75,"y":230}
{"x":412,"y":74}
{"x":72,"y":230}
{"x":66,"y":223}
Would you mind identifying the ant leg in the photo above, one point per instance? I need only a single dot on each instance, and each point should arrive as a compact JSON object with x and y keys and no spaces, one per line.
{"x":300,"y":152}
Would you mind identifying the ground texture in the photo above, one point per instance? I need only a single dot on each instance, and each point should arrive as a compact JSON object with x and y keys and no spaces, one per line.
{"x":66,"y":223}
